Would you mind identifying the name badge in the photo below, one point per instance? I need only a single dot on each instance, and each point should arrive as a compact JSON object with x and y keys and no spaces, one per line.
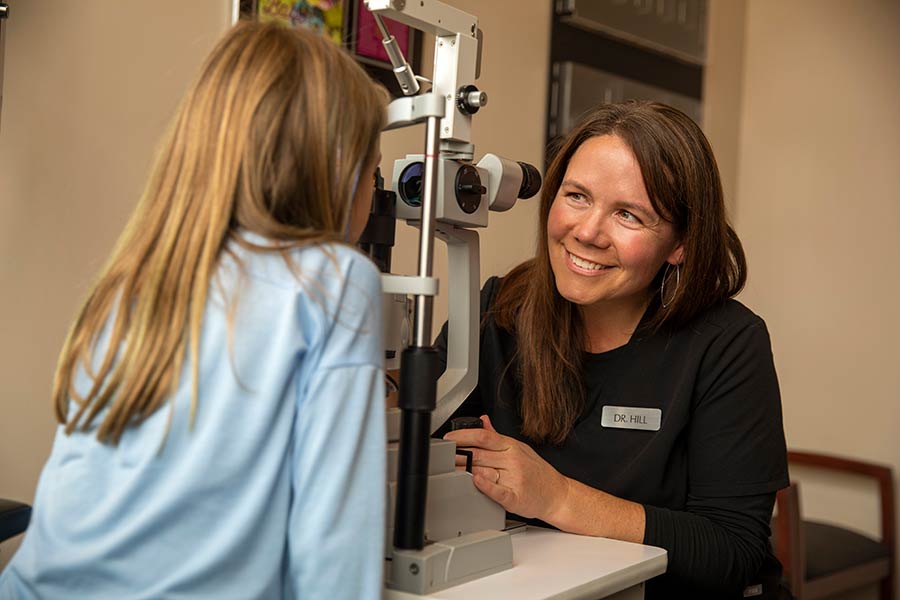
{"x":630,"y":417}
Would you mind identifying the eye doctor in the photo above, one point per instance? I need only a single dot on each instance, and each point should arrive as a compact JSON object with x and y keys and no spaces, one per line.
{"x":623,"y":391}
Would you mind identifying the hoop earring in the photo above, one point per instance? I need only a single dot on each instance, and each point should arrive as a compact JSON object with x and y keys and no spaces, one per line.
{"x":662,"y":285}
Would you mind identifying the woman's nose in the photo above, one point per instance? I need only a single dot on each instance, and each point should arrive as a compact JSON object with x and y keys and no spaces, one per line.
{"x":592,"y":229}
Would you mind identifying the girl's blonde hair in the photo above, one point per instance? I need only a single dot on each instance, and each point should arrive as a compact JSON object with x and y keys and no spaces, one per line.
{"x":271,"y":138}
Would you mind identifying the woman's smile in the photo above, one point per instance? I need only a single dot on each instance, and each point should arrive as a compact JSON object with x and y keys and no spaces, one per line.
{"x":584,"y":266}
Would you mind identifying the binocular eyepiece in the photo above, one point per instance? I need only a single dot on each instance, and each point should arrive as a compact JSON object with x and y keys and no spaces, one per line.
{"x":531,"y":181}
{"x":508,"y":179}
{"x":466,"y":192}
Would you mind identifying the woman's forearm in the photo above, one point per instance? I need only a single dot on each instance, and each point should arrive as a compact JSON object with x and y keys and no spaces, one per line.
{"x":584,"y":510}
{"x":714,"y":544}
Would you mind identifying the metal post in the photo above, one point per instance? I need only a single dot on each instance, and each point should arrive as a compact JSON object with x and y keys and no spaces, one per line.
{"x":424,"y":304}
{"x":418,"y":374}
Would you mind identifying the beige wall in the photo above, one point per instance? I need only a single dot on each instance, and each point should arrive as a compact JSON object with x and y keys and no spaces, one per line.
{"x":818,"y":198}
{"x":722,"y":89}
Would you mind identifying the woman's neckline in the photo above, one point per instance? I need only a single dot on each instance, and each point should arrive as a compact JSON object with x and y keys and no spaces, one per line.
{"x":632,"y":339}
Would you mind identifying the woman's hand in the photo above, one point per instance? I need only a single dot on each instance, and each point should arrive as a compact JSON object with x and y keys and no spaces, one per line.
{"x":511,"y":473}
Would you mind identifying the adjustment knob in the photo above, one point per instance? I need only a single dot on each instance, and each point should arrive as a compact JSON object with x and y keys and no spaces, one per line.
{"x":469,"y":189}
{"x":469,"y":99}
{"x":466,"y":423}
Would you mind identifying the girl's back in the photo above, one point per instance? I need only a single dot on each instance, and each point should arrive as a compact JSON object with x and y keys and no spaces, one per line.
{"x":284,"y":406}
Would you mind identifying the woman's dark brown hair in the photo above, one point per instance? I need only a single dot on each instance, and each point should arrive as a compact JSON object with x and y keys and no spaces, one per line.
{"x":682,"y":181}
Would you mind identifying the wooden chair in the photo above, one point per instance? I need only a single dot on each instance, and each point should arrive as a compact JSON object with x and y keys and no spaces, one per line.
{"x":821,"y":559}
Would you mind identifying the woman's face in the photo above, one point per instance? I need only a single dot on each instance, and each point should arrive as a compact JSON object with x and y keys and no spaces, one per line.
{"x":606,"y":242}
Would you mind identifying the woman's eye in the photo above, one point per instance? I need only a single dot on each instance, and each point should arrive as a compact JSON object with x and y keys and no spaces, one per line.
{"x":628,"y":216}
{"x":577,"y":197}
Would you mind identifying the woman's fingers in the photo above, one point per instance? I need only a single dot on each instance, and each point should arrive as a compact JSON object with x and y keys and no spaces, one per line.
{"x":486,"y":421}
{"x":481,"y":458}
{"x":489,"y":473}
{"x":497,"y":492}
{"x":479,"y":438}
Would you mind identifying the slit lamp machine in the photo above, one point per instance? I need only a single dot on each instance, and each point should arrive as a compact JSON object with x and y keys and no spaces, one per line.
{"x":441,"y":530}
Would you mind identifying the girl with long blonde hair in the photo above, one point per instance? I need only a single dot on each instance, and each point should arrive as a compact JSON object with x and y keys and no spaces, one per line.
{"x":220,"y":393}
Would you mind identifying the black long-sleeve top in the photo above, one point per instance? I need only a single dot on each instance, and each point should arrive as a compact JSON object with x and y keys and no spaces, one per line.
{"x":707,"y":476}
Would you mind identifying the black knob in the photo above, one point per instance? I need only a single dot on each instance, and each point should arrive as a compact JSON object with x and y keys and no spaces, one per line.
{"x":466,"y":423}
{"x":469,"y":189}
{"x":469,"y":99}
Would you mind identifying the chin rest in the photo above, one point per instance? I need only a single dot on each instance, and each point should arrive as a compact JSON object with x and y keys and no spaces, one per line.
{"x":14,"y":517}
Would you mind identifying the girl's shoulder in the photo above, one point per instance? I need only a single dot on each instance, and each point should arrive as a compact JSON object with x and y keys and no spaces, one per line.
{"x":330,"y":266}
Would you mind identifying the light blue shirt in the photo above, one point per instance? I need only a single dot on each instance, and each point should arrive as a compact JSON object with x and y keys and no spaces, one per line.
{"x":279,"y":489}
